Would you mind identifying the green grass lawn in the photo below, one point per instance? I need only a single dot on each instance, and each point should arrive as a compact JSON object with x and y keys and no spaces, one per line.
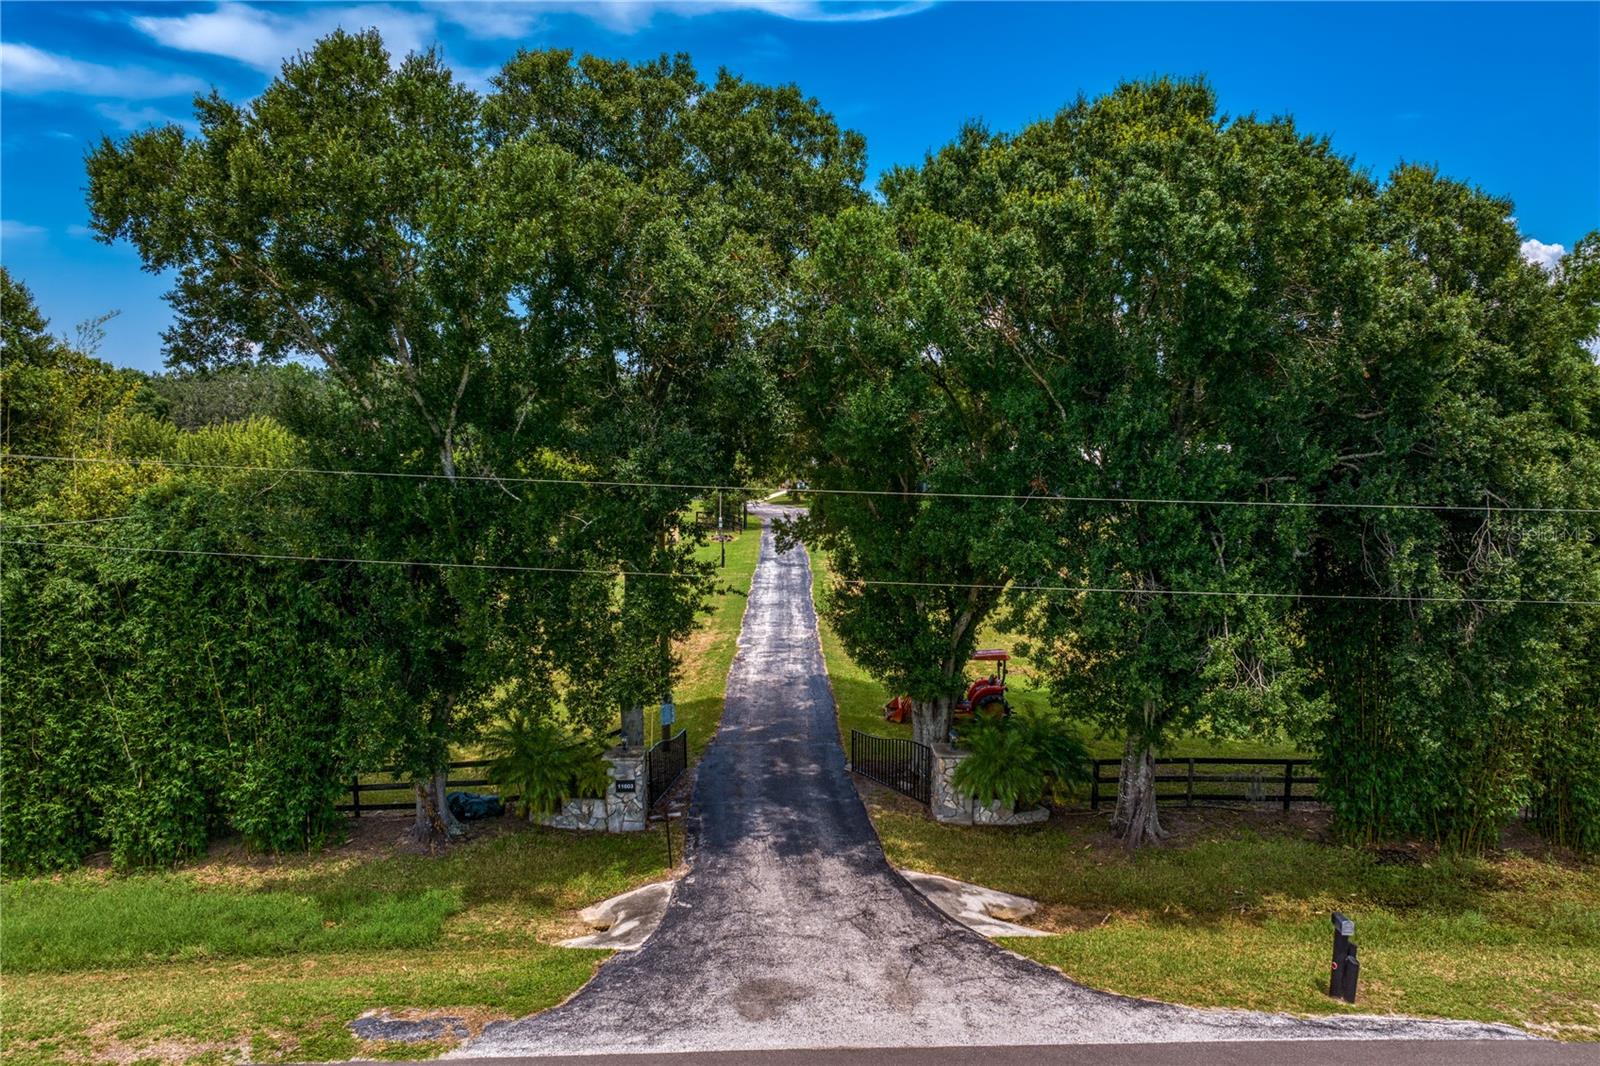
{"x":1234,"y":912}
{"x":708,"y":654}
{"x":79,"y":924}
{"x":273,"y":958}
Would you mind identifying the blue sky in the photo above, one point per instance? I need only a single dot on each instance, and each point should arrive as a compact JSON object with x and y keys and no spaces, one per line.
{"x":1505,"y":96}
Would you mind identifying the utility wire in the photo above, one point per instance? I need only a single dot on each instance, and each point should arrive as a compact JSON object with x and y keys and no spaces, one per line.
{"x":762,"y":489}
{"x":1112,"y":590}
{"x":470,"y":478}
{"x":1351,"y":596}
{"x":64,"y":522}
{"x":292,"y":558}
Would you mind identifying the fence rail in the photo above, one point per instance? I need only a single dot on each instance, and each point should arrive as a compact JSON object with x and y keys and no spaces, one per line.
{"x":399,"y":784}
{"x":664,"y":764}
{"x":901,"y":764}
{"x":734,"y":520}
{"x":1285,"y":785}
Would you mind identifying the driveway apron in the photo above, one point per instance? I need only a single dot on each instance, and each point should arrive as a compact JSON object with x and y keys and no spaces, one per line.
{"x":792,"y":931}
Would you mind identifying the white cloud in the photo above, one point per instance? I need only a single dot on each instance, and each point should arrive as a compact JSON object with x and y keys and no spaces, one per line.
{"x":491,"y":21}
{"x":26,"y":69}
{"x":133,"y":118}
{"x":12,"y":230}
{"x":263,"y":39}
{"x":822,"y":11}
{"x":1542,"y":254}
{"x":628,"y":16}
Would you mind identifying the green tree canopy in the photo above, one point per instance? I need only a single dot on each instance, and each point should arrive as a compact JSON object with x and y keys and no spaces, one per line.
{"x":1143,"y":302}
{"x":1470,"y":385}
{"x":1134,"y":299}
{"x":574,"y":276}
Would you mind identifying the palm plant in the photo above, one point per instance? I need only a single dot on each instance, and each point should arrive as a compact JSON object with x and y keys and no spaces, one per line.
{"x":545,"y":761}
{"x":1017,"y":759}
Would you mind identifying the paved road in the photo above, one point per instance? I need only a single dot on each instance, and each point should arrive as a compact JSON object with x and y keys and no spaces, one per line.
{"x":791,"y":931}
{"x":1230,"y":1053}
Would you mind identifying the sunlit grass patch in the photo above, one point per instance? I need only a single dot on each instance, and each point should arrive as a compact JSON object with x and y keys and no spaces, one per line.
{"x":1443,"y":968}
{"x":74,"y":924}
{"x":280,"y":1009}
{"x":707,"y":654}
{"x":274,"y":958}
{"x":1237,"y":915}
{"x":1235,"y":912}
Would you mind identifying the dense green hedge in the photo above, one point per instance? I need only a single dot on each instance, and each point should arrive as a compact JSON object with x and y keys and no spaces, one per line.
{"x":153,"y":699}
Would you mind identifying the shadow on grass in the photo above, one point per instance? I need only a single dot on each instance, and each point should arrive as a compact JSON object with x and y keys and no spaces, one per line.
{"x":546,"y":870}
{"x":700,"y":716}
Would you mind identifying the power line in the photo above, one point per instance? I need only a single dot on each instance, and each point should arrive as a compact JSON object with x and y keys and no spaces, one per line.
{"x":1349,"y":596}
{"x":294,"y":558}
{"x":64,"y":522}
{"x":401,"y":475}
{"x":1043,"y":497}
{"x":973,"y":586}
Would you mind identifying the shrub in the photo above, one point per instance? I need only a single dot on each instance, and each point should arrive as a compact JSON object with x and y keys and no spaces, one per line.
{"x":1017,"y":760}
{"x":154,"y":698}
{"x":546,"y":761}
{"x":1566,"y":776}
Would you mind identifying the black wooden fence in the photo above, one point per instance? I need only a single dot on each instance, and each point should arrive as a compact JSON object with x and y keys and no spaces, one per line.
{"x":734,"y":520}
{"x":663,"y":765}
{"x":397,"y":783}
{"x":1219,"y":780}
{"x":902,"y":764}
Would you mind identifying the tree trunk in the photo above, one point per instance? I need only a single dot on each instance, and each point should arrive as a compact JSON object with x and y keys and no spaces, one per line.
{"x":1135,"y":819}
{"x":930,"y":721}
{"x":435,"y":825}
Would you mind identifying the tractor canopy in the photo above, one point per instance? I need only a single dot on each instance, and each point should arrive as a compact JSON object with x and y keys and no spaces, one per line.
{"x":991,"y":655}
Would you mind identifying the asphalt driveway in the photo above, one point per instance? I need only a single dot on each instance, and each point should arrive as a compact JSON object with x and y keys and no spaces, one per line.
{"x":792,"y":931}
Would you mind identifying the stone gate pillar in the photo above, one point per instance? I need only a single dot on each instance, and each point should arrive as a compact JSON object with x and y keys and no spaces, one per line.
{"x":630,"y":785}
{"x":950,"y":805}
{"x":622,"y":810}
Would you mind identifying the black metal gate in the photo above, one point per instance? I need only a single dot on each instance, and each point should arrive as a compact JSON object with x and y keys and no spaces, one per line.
{"x":902,"y":764}
{"x":663,"y":763}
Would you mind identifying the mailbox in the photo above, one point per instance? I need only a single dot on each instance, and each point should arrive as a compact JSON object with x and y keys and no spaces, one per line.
{"x":1346,"y":968}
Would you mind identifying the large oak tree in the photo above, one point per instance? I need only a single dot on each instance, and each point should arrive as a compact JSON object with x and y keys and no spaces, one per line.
{"x":571,"y":277}
{"x":1137,"y":298}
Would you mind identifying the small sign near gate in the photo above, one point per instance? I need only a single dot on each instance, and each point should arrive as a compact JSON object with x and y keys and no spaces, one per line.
{"x":669,"y":713}
{"x":629,"y":785}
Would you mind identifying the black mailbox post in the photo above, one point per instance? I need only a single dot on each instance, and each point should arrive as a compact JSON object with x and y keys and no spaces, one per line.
{"x":1342,"y":982}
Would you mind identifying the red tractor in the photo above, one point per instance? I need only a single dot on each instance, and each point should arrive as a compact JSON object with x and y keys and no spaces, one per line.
{"x":986,"y":694}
